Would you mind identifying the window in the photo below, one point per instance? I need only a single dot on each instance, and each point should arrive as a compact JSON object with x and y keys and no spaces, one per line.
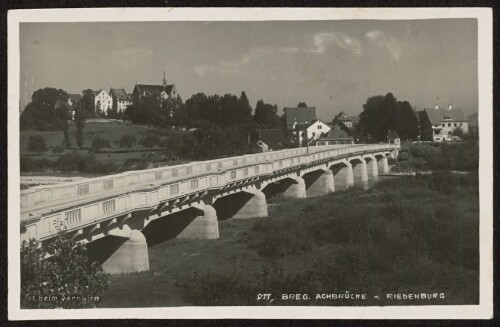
{"x":174,"y":189}
{"x":443,"y":124}
{"x":455,"y":124}
{"x":319,"y":126}
{"x":461,"y":124}
{"x":449,"y":124}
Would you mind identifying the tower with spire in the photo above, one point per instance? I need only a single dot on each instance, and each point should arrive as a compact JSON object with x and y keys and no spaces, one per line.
{"x":164,"y":78}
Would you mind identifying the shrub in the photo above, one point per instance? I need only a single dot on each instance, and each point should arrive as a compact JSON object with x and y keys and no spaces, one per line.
{"x":99,"y":143}
{"x":36,"y":143}
{"x":127,"y":141}
{"x":57,"y":149}
{"x":60,"y":269}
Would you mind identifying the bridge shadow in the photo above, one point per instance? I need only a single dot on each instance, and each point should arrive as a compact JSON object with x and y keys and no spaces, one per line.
{"x":279,"y":187}
{"x":228,"y":206}
{"x":100,"y":250}
{"x":170,"y":226}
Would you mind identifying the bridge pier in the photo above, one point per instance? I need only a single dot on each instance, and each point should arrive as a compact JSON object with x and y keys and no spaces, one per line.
{"x":242,"y":205}
{"x":319,"y":183}
{"x":297,"y":189}
{"x":119,"y":255}
{"x":204,"y":226}
{"x":343,"y":176}
{"x":360,"y":172}
{"x":372,"y":169}
{"x":383,"y":165}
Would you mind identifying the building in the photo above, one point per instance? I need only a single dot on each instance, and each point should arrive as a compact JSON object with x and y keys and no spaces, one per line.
{"x":338,"y":134}
{"x":299,"y":115}
{"x":349,"y":121}
{"x":393,"y":137}
{"x":74,"y":101}
{"x":312,"y":130}
{"x":164,"y":91}
{"x":438,"y":124}
{"x":102,"y":101}
{"x":121,"y":99}
{"x":271,"y":139}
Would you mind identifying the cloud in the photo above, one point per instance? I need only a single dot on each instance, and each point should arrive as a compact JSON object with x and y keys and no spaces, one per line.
{"x":323,"y":41}
{"x":381,"y":40}
{"x":129,"y":56}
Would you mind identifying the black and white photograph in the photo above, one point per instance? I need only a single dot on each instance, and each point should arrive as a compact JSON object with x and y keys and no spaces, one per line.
{"x":284,"y":162}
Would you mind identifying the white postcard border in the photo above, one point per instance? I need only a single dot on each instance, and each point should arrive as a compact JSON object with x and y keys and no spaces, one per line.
{"x":485,"y":75}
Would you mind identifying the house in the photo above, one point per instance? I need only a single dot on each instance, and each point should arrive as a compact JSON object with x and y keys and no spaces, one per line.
{"x":338,"y":134}
{"x":349,"y":121}
{"x":312,"y":131}
{"x":299,"y":115}
{"x":74,"y":101}
{"x":121,"y":99}
{"x":164,"y":91}
{"x":271,"y":139}
{"x":393,"y":137}
{"x":438,"y":124}
{"x":102,"y":101}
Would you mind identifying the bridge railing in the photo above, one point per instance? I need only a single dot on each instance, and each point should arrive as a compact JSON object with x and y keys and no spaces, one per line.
{"x":76,"y":215}
{"x":101,"y":185}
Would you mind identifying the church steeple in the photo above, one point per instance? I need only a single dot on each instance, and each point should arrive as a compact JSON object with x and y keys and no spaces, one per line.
{"x":164,"y":78}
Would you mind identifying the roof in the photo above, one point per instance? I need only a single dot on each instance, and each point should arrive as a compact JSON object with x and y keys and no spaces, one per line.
{"x":353,"y":119}
{"x":338,"y":131}
{"x":392,"y":135}
{"x":155,"y":88}
{"x":119,"y":94}
{"x":300,"y":114}
{"x":75,"y":97}
{"x":437,"y":116}
{"x":274,"y":138}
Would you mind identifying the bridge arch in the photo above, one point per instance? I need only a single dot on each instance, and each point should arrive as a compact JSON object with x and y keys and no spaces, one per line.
{"x":247,"y":203}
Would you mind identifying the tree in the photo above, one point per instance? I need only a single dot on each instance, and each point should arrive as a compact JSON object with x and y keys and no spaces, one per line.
{"x":127,"y":141}
{"x":36,"y":143}
{"x":47,"y":111}
{"x":302,"y":105}
{"x":383,"y":113}
{"x":88,"y":103}
{"x":60,"y":269}
{"x":266,"y":114}
{"x":99,"y":143}
{"x":80,"y":116}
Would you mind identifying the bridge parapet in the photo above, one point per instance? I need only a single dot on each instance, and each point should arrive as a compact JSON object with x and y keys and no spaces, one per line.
{"x":84,"y":203}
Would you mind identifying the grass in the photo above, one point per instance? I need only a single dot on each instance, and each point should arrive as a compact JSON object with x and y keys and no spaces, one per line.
{"x":111,"y":130}
{"x":404,"y":235}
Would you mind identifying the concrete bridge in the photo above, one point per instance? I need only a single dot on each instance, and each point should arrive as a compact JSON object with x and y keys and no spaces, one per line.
{"x":120,"y":215}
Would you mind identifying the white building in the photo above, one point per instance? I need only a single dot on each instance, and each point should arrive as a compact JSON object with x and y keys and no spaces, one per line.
{"x":314,"y":130}
{"x":120,"y":99}
{"x":102,"y":101}
{"x":445,"y":121}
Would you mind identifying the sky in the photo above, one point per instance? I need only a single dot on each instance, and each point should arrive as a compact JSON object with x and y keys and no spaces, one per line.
{"x":331,"y":65}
